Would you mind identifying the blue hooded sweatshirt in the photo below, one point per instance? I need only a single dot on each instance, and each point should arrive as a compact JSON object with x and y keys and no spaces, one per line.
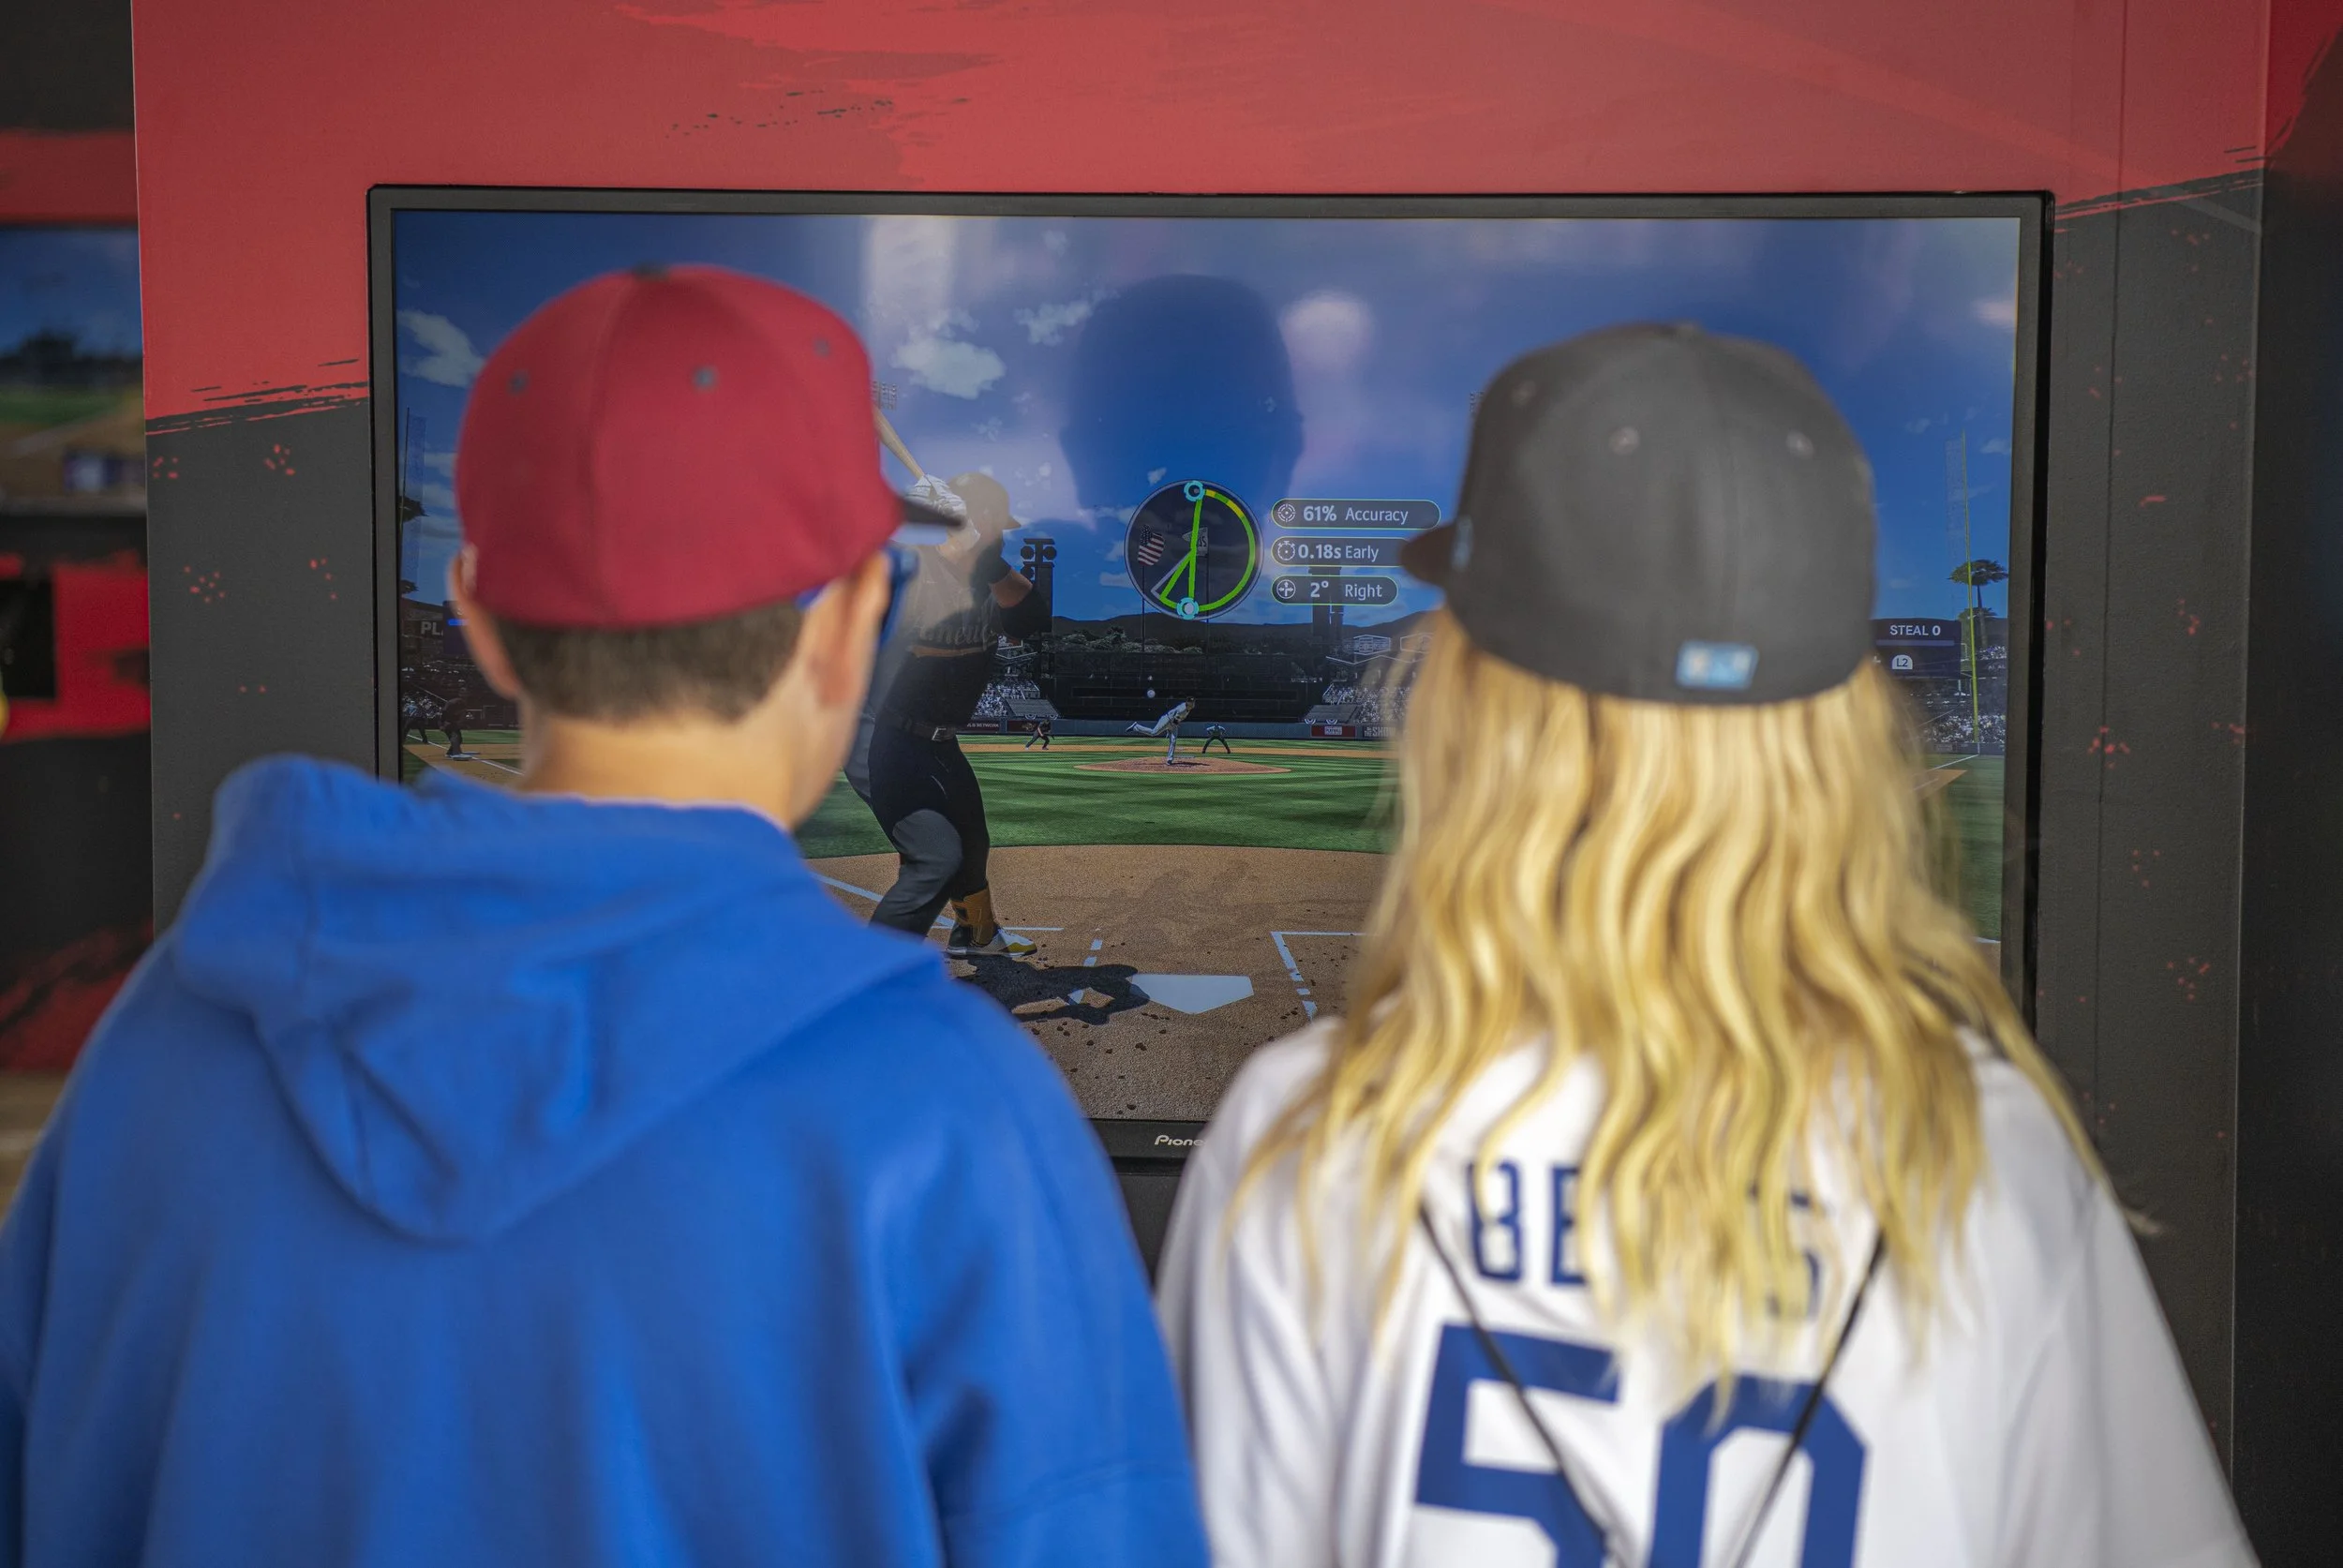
{"x":471,"y":1178}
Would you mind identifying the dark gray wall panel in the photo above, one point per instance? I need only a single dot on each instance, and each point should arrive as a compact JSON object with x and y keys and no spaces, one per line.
{"x":2289,"y":1134}
{"x":2142,"y":742}
{"x":64,"y":65}
{"x":259,"y":550}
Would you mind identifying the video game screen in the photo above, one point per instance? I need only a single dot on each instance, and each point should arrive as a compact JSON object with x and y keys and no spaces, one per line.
{"x":1197,"y":442}
{"x":72,"y":418}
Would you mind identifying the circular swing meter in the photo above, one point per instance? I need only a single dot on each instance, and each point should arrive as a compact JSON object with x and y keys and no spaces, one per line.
{"x":1193,"y":550}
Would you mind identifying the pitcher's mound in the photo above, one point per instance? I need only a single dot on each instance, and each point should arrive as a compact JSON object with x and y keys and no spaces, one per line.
{"x":1187,"y":765}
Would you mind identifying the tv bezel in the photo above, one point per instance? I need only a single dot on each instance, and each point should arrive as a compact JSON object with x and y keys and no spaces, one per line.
{"x":1133,"y":1142}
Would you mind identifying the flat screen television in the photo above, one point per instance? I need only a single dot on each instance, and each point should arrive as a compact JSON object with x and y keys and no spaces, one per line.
{"x":72,"y":510}
{"x":72,"y":416}
{"x":1215,"y":420}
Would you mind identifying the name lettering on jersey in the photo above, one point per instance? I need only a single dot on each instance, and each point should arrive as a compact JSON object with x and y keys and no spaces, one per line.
{"x":1501,"y":1233}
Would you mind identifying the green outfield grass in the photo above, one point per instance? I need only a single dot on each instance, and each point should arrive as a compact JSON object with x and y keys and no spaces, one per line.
{"x":1340,"y":801}
{"x":51,"y":405}
{"x":1969,"y":818}
{"x":1045,"y":797}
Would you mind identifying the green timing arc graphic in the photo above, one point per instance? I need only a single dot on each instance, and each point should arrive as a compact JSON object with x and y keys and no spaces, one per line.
{"x":1183,"y":580}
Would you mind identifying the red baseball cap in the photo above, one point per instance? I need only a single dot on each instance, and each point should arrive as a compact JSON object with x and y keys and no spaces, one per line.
{"x":669,"y":444}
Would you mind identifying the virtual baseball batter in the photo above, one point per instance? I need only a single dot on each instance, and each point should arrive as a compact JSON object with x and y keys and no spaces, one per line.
{"x":906,"y":765}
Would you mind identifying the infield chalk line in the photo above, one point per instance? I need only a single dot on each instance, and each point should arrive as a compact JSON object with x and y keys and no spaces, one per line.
{"x":1294,"y":970}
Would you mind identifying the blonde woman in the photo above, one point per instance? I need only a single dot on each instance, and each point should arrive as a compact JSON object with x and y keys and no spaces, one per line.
{"x":1680,"y":1186}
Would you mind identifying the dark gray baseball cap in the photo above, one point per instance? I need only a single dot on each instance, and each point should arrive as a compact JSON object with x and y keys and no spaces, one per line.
{"x":1660,"y":513}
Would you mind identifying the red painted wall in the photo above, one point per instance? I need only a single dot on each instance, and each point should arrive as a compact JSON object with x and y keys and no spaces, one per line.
{"x":262,"y":122}
{"x":67,"y":176}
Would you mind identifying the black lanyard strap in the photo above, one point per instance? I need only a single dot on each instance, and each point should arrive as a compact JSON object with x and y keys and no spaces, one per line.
{"x":1814,"y":1402}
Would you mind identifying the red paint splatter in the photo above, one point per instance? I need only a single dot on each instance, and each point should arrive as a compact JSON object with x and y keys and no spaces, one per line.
{"x":49,"y":1005}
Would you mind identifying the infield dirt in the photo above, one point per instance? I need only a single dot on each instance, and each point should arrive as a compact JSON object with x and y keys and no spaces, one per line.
{"x":1284,"y":922}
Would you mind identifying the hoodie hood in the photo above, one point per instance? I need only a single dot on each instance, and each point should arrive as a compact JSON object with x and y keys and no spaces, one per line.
{"x":471,"y":1000}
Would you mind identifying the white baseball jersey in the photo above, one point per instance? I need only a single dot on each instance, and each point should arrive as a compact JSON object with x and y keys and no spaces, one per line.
{"x":2043,"y":1422}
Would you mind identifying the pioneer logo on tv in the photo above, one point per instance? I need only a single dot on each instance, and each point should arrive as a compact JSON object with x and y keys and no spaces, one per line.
{"x":1165,"y":1141}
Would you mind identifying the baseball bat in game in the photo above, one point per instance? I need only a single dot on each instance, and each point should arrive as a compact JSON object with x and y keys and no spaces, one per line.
{"x":894,"y":443}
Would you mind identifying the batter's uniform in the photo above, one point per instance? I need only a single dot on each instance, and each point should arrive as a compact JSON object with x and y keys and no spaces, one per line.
{"x":906,"y":764}
{"x":418,"y":715}
{"x":2043,"y":1421}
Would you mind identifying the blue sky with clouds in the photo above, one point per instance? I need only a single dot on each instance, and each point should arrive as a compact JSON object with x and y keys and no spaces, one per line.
{"x":81,"y":280}
{"x":1039,"y":350}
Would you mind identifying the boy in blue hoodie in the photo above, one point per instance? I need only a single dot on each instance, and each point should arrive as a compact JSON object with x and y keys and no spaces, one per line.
{"x":561,"y":1176}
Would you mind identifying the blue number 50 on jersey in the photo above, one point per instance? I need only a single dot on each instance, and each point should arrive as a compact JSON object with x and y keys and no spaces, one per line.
{"x":1688,"y":1443}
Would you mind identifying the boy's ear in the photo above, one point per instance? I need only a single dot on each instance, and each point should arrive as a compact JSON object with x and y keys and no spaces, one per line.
{"x":480,"y":628}
{"x":839,"y":637}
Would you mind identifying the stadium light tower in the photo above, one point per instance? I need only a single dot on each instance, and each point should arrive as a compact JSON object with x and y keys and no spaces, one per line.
{"x":1957,"y":519}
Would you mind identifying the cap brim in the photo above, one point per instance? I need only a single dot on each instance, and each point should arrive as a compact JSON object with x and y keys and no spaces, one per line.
{"x":1425,"y":558}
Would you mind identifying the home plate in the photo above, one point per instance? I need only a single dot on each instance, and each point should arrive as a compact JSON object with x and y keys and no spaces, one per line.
{"x":1193,"y":993}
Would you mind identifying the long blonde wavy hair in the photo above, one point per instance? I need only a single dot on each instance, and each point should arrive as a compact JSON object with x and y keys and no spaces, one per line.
{"x":1730,"y":910}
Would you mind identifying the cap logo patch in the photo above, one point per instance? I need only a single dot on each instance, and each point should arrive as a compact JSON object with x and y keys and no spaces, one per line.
{"x":1799,"y":445}
{"x":704,"y":378}
{"x":1522,"y":392}
{"x":519,"y":381}
{"x":1716,"y":666}
{"x":1625,"y":440}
